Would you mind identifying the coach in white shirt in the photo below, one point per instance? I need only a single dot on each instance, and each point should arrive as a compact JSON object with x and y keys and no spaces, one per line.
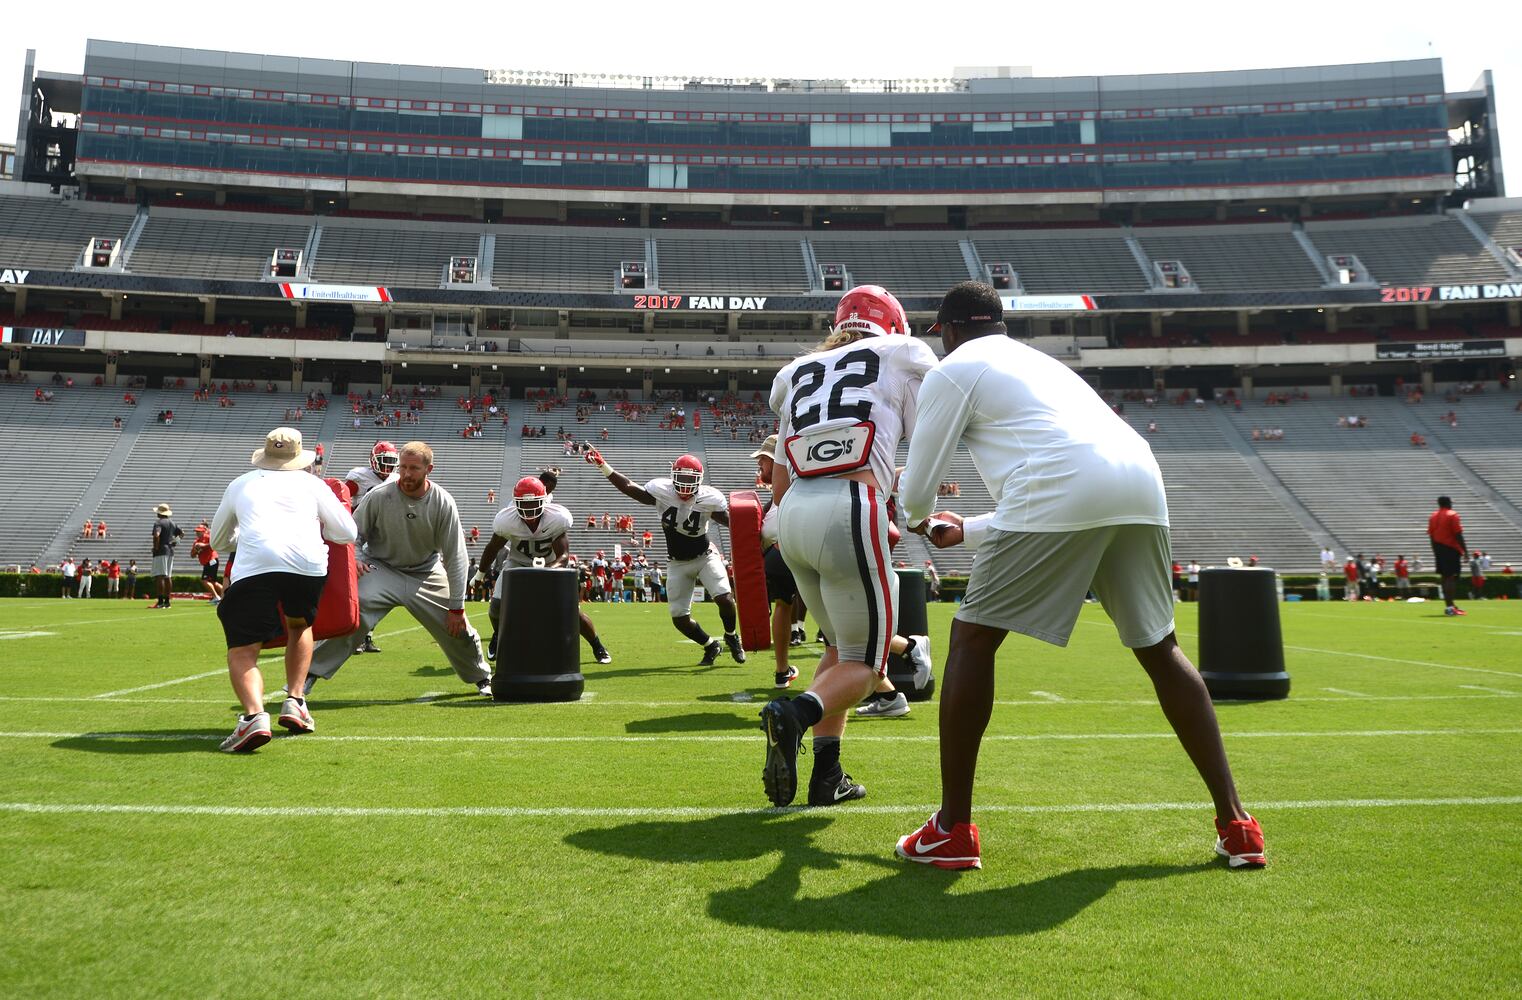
{"x":1079,"y":503}
{"x":278,"y":515}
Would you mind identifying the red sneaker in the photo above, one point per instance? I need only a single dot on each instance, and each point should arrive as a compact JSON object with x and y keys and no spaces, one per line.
{"x":929,"y":845}
{"x":1240,"y":842}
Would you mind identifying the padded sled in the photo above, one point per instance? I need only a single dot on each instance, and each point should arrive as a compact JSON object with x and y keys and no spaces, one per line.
{"x":750,"y":570}
{"x":338,"y":608}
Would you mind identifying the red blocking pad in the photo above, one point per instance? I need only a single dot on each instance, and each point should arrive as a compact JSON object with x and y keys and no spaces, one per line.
{"x":338,"y":608}
{"x":749,"y":569}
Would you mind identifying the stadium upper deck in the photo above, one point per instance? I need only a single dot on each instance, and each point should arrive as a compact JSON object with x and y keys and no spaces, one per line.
{"x":350,"y":128}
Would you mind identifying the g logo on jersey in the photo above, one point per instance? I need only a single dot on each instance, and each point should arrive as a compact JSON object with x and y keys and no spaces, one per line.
{"x":827,"y":451}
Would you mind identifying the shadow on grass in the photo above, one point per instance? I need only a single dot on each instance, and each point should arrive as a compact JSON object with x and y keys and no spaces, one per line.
{"x":146,"y":742}
{"x":908,"y":902}
{"x":697,"y":722}
{"x":321,"y":704}
{"x":432,"y":672}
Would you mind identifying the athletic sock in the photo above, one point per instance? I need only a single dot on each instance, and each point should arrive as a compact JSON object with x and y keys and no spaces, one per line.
{"x":810,"y":709}
{"x":940,"y":826}
{"x":909,"y":649}
{"x":826,"y":754}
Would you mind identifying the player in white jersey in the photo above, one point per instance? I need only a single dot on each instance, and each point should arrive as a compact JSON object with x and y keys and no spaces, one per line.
{"x":532,"y":528}
{"x":842,"y":411}
{"x":361,"y":480}
{"x":686,"y":505}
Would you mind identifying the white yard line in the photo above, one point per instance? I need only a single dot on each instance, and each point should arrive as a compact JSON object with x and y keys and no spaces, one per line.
{"x":1393,"y":659}
{"x":1432,"y":621}
{"x":102,"y":621}
{"x":151,"y":736}
{"x":1477,"y":687}
{"x":1350,"y":694}
{"x":1048,"y":696}
{"x":587,"y":700}
{"x":219,"y":672}
{"x":698,"y":812}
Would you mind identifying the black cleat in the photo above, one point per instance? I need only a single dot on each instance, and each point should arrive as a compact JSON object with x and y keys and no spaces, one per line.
{"x":796,"y":636}
{"x":784,"y":738}
{"x":736,"y":650}
{"x":368,"y":646}
{"x":491,"y":648}
{"x":711,"y":653}
{"x":602,"y":655}
{"x":834,"y":788}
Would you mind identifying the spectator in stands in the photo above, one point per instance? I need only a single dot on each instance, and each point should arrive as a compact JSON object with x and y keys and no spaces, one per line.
{"x":645,"y":539}
{"x":87,"y":577}
{"x":475,"y":535}
{"x":491,"y":496}
{"x":116,"y":423}
{"x":113,"y":578}
{"x":100,"y":530}
{"x":70,"y":570}
{"x":1152,"y":427}
{"x":129,"y":591}
{"x":166,"y":534}
{"x":88,"y":527}
{"x":607,"y":522}
{"x":1417,"y":441}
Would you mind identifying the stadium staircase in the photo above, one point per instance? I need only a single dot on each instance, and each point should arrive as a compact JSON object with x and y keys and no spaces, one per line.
{"x":68,"y":540}
{"x":1485,"y":449}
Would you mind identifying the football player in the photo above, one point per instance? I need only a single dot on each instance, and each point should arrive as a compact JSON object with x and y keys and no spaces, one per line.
{"x":842,"y":411}
{"x":686,"y":505}
{"x":361,"y":480}
{"x":532,"y":527}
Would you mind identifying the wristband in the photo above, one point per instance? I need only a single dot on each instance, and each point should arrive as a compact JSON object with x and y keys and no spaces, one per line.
{"x":605,"y":469}
{"x":456,"y":611}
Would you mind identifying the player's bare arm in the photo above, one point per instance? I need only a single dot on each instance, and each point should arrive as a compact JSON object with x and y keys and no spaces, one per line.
{"x":721,"y":516}
{"x":620,"y":481}
{"x":561,"y":546}
{"x":488,"y":557}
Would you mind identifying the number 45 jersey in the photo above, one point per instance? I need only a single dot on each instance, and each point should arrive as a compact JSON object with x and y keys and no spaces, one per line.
{"x":685,"y":522}
{"x":847,"y":409}
{"x":525,"y":544}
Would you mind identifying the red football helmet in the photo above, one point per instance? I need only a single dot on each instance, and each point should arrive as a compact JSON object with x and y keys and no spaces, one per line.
{"x":530,"y":496}
{"x":871,"y":309}
{"x":687,"y":476}
{"x":384,"y":458}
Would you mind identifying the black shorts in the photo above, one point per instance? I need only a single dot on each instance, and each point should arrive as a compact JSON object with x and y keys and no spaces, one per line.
{"x":780,"y":585}
{"x":1449,"y":560}
{"x":254,"y":608}
{"x":209,"y":571}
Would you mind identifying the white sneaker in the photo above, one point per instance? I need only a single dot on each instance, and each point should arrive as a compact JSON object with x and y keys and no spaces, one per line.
{"x":921,"y":660}
{"x":295,"y":717}
{"x":483,"y":688}
{"x":879,"y":708}
{"x":251,"y":734}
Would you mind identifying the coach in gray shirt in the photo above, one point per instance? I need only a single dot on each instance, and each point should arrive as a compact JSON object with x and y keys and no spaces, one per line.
{"x":413,"y":557}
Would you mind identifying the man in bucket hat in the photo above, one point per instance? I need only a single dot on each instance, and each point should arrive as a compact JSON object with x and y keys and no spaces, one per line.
{"x":278,"y":517}
{"x":165,"y":534}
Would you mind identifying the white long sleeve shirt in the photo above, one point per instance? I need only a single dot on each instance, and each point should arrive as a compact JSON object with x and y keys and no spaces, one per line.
{"x":1053,"y":455}
{"x":278,"y":521}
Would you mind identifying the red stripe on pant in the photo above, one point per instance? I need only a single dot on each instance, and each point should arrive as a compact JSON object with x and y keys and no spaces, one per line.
{"x":882,"y":577}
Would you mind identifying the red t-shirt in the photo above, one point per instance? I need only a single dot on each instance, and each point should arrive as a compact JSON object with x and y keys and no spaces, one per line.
{"x":1444,"y":527}
{"x":1350,"y":570}
{"x":208,"y":555}
{"x":1401,"y":569}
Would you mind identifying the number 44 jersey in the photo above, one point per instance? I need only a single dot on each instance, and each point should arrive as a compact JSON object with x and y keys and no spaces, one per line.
{"x":847,"y":409}
{"x":525,"y":544}
{"x":685,"y":522}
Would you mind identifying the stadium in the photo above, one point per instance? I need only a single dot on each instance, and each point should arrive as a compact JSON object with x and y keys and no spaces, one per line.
{"x":1301,"y":286}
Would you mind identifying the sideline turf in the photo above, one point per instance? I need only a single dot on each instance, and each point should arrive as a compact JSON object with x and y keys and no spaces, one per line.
{"x":697,"y":890}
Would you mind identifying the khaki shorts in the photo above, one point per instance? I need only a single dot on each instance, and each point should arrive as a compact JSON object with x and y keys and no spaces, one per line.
{"x":1034,"y":583}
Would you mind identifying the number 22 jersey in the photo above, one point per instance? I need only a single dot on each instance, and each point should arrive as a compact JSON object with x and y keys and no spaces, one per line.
{"x":872,"y":381}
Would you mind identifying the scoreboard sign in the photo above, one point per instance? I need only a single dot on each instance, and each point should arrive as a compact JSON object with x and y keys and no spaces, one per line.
{"x":1433,"y":349}
{"x":41,"y":337}
{"x":694,"y":303}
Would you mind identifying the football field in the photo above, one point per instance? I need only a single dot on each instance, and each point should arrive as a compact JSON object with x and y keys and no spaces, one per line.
{"x":426,"y":842}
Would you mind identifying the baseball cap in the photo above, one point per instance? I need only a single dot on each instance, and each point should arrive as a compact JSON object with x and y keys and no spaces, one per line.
{"x":768,"y":447}
{"x":282,"y":451}
{"x":969,"y":302}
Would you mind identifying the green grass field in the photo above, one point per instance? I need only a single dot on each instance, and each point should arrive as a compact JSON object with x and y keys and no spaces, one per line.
{"x":425,"y":842}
